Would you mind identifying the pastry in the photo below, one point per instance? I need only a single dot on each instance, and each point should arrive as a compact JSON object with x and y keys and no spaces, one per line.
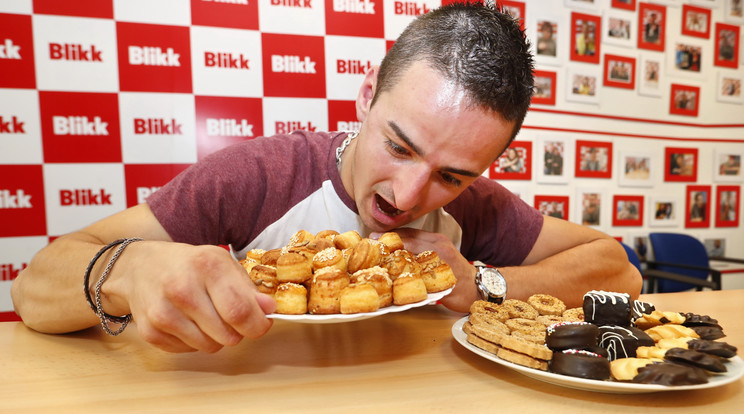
{"x":519,"y":309}
{"x":708,"y":332}
{"x":522,"y":359}
{"x":483,"y":318}
{"x":392,"y":241}
{"x":670,"y":331}
{"x":248,"y":264}
{"x":401,"y":261}
{"x":326,"y":234}
{"x":640,"y":308}
{"x":567,"y":335}
{"x":428,"y":259}
{"x":359,"y":298}
{"x":300,"y":238}
{"x":581,"y":364}
{"x":621,"y":341}
{"x":696,"y":358}
{"x":526,"y":347}
{"x":270,"y":257}
{"x":667,"y":373}
{"x":546,"y":304}
{"x":537,"y":337}
{"x":607,"y":308}
{"x":255,"y":254}
{"x":548,"y":320}
{"x":364,"y":255}
{"x":694,"y":319}
{"x":378,"y":278}
{"x":293,"y":267}
{"x":483,"y":344}
{"x":347,"y":240}
{"x":291,"y":299}
{"x":408,"y":288}
{"x":528,"y":326}
{"x":649,"y":352}
{"x":489,"y":310}
{"x":325,"y":290}
{"x":719,"y":348}
{"x":264,"y":277}
{"x":330,"y":257}
{"x":439,"y":278}
{"x":657,"y":317}
{"x":491,"y":333}
{"x":574,"y":314}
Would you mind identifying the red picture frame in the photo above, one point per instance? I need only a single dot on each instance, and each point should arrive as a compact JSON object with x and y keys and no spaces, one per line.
{"x":680,"y":164}
{"x":619,"y":71}
{"x":697,"y":206}
{"x":510,"y":5}
{"x":514,"y":164}
{"x":624,"y":4}
{"x":696,"y":21}
{"x":727,"y":45}
{"x":545,"y":86}
{"x":684,"y":100}
{"x":586,"y":37}
{"x":727,"y":205}
{"x":553,"y":205}
{"x":627,"y":210}
{"x":651,"y":26}
{"x":593,"y":159}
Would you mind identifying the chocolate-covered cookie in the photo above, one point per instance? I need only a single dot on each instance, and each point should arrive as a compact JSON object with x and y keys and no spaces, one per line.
{"x":668,"y":373}
{"x":708,"y":332}
{"x":567,"y":335}
{"x":622,"y":342}
{"x":694,"y":319}
{"x":581,"y":364}
{"x":641,"y":308}
{"x":696,"y":358}
{"x":719,"y":348}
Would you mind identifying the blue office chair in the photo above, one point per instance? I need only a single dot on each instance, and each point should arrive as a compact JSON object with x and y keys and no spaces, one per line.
{"x":680,"y":263}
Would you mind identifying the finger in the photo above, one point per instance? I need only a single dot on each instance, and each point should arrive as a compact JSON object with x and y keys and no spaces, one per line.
{"x":162,"y":340}
{"x":237,"y":304}
{"x":162,"y":322}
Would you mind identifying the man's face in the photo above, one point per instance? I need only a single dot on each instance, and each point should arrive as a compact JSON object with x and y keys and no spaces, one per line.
{"x":419,"y":147}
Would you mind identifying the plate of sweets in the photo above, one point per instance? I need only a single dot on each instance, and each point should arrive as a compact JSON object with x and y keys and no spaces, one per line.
{"x":333,"y":277}
{"x":611,"y":344}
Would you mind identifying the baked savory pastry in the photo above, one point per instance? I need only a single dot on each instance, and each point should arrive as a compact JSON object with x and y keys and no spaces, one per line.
{"x":270,"y":257}
{"x":439,"y":278}
{"x":293,"y":267}
{"x":325,"y":290}
{"x":408,"y":288}
{"x":347,"y":240}
{"x":364,"y":255}
{"x":392,"y":241}
{"x":401,"y":261}
{"x":300,"y":238}
{"x":291,"y":299}
{"x":379,"y":279}
{"x":330,"y":257}
{"x":428,"y":259}
{"x":359,"y":298}
{"x":264,"y":277}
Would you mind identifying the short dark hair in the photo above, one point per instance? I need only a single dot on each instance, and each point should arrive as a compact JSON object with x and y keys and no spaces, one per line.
{"x":480,"y":47}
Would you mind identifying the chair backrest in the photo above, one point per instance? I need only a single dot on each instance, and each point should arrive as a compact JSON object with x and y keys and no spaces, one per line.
{"x":681,"y":249}
{"x":632,"y":256}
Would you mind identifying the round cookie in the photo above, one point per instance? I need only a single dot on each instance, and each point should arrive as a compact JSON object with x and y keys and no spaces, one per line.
{"x":567,"y":335}
{"x":574,"y":314}
{"x":581,"y":364}
{"x":519,"y":309}
{"x":546,"y":304}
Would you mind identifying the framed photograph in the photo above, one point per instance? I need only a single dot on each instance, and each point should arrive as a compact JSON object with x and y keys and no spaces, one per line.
{"x":624,"y":4}
{"x":651,"y":26}
{"x":582,"y":4}
{"x":590,"y":207}
{"x":729,"y":88}
{"x":553,"y":159}
{"x":651,"y":72}
{"x":665,"y":211}
{"x":680,"y":164}
{"x":636,"y":168}
{"x":696,"y":21}
{"x":715,"y":246}
{"x":514,"y":163}
{"x":545,"y":84}
{"x":627,"y":210}
{"x":550,"y":40}
{"x":582,"y":85}
{"x":586,"y":36}
{"x":727,"y":165}
{"x":619,"y":71}
{"x":713,"y":4}
{"x":552,"y":205}
{"x":697,"y":206}
{"x":684,"y":100}
{"x":733,"y":11}
{"x":593,"y":159}
{"x":727,"y":205}
{"x":619,"y":29}
{"x":727,"y":45}
{"x":686,"y":61}
{"x":515,"y":9}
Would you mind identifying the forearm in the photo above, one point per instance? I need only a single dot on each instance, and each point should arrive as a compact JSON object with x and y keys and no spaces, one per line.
{"x":597,"y":265}
{"x":48,"y":294}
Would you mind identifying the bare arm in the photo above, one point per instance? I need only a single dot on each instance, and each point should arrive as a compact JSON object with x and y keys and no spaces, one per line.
{"x":566,"y":261}
{"x":182,"y":297}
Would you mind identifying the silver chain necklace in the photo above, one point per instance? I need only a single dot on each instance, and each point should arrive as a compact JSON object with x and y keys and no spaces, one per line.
{"x":340,"y":150}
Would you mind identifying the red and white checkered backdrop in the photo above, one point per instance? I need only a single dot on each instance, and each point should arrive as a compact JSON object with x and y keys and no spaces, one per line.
{"x":104,"y":101}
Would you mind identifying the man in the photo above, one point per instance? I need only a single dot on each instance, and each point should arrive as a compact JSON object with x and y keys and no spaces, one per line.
{"x":445,"y":103}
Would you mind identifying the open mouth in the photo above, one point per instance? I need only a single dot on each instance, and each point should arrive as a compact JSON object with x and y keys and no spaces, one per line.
{"x":386,"y":207}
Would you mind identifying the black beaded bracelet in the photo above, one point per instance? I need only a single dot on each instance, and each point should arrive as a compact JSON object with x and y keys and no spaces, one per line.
{"x":96,"y":305}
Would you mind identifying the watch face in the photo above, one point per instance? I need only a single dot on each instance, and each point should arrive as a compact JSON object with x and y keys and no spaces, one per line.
{"x":494,"y":282}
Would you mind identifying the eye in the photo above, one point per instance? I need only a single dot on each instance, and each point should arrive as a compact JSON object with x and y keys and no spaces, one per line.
{"x":396,"y":149}
{"x":450,"y":179}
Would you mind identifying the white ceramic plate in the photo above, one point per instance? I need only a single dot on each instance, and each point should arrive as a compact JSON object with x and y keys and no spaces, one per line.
{"x":735,"y":368}
{"x":338,"y":318}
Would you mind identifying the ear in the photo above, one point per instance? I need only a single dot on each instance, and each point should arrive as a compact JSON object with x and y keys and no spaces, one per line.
{"x":366,"y":93}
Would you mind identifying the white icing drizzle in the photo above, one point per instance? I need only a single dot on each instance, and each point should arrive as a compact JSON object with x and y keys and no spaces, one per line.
{"x":612,"y":341}
{"x":602,"y":297}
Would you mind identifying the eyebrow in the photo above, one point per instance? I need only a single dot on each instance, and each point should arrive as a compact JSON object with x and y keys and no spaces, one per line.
{"x":402,"y":135}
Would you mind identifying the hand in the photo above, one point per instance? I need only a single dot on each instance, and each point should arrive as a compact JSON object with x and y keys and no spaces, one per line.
{"x":464,"y":293}
{"x":185,"y":298}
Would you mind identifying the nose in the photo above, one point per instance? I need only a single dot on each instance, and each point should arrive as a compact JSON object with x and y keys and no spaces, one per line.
{"x":411,"y":185}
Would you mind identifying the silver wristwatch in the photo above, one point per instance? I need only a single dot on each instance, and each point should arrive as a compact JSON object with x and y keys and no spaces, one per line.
{"x":490,"y":283}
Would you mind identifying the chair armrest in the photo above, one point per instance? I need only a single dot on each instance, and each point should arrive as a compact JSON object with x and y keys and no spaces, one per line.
{"x":727,"y":259}
{"x":715,"y":274}
{"x":654,"y":273}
